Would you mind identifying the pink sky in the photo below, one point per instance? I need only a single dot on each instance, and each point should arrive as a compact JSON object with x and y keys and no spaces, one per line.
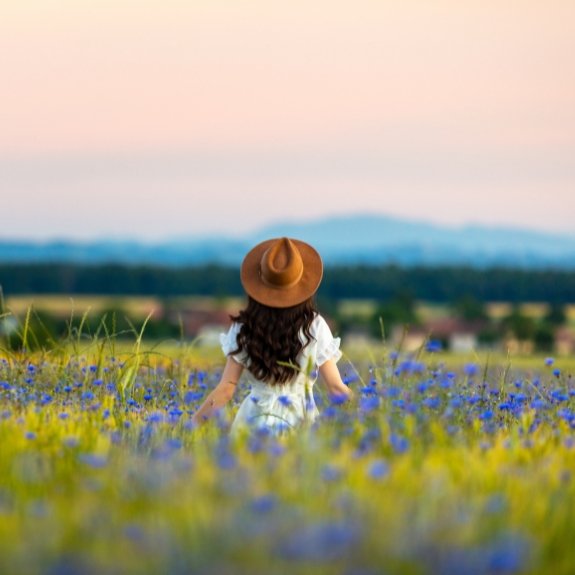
{"x":159,"y":119}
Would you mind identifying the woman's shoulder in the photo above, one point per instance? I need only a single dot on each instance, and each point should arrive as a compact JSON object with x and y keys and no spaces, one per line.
{"x":318,"y":324}
{"x":228,"y":340}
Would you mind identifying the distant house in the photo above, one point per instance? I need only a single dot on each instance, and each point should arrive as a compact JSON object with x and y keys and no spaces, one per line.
{"x":410,"y":339}
{"x":564,"y":341}
{"x":209,"y":335}
{"x":196,"y":321}
{"x":515,"y":346}
{"x":358,"y":338}
{"x":455,"y":334}
{"x":458,"y":335}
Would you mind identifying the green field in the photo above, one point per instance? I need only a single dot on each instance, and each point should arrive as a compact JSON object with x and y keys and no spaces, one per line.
{"x":443,"y":464}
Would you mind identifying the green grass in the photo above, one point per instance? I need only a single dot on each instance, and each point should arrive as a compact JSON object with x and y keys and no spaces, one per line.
{"x":101,"y":471}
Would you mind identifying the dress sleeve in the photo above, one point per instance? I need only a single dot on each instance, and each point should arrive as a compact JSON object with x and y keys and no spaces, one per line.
{"x":229,"y":343}
{"x":327,"y":345}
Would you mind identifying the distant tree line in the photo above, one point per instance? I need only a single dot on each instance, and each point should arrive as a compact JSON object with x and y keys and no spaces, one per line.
{"x":433,"y":284}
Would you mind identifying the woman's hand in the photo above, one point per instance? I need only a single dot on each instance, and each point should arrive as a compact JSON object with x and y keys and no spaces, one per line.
{"x":332,"y":379}
{"x":222,"y":393}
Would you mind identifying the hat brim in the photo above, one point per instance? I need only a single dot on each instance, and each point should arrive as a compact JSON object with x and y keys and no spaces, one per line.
{"x":277,"y":297}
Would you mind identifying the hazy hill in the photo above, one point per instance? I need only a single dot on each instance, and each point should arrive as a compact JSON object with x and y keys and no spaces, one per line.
{"x":354,"y":239}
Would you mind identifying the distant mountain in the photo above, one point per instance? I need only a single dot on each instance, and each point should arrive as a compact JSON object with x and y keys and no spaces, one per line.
{"x":355,"y":239}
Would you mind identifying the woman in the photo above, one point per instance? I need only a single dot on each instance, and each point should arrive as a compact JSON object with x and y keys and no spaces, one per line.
{"x":278,"y":339}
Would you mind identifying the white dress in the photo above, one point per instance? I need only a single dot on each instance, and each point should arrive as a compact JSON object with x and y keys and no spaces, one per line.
{"x":280,"y":408}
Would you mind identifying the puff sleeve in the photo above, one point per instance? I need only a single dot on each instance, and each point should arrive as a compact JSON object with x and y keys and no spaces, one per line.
{"x":228,"y":342}
{"x":327,"y":345}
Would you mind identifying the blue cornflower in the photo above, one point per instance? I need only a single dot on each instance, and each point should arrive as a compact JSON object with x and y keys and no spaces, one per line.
{"x":470,"y":369}
{"x":433,"y":346}
{"x":329,"y":412}
{"x":173,"y":443}
{"x":431,"y":402}
{"x":338,"y":398}
{"x":446,"y":382}
{"x":399,"y":444}
{"x":264,"y":503}
{"x":538,"y":404}
{"x":330,"y":473}
{"x":507,"y":555}
{"x":155,"y":417}
{"x":566,"y":414}
{"x":411,"y":366}
{"x":549,"y":361}
{"x":320,"y":542}
{"x":378,"y":469}
{"x":486,"y":415}
{"x":87,"y":395}
{"x":556,"y":372}
{"x":225,"y":459}
{"x":30,"y":435}
{"x":93,"y":460}
{"x":46,"y":398}
{"x":192,"y":396}
{"x":559,"y":395}
{"x":369,"y":403}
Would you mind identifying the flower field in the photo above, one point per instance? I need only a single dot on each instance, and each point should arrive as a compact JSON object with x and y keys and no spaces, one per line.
{"x":434,"y":468}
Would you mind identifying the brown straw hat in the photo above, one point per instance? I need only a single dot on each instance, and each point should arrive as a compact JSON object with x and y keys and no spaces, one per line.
{"x":281,"y":272}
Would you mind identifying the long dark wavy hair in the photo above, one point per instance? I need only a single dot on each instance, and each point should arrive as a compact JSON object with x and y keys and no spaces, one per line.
{"x":269,"y":335}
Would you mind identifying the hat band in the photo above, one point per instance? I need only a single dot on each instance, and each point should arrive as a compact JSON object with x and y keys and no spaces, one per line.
{"x":282,"y":286}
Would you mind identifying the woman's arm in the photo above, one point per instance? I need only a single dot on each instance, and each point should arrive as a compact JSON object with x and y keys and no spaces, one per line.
{"x":222,"y":393}
{"x":332,"y":379}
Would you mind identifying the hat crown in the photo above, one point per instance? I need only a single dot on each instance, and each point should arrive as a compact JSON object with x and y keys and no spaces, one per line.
{"x":281,"y":265}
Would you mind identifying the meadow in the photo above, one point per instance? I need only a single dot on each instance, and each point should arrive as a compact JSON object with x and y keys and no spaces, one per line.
{"x":442,"y":464}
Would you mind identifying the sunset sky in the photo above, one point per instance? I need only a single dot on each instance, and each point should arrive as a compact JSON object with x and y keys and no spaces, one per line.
{"x":152,"y":120}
